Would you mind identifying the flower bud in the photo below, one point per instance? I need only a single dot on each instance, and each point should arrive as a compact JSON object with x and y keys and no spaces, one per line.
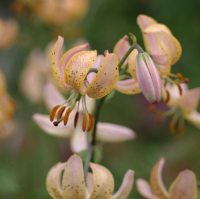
{"x":148,"y":78}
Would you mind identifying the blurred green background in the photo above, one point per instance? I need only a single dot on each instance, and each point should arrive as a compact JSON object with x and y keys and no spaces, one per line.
{"x":26,"y":157}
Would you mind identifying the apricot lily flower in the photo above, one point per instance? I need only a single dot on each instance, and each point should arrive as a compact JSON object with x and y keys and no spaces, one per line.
{"x":183,"y":187}
{"x":160,"y":43}
{"x":106,"y":132}
{"x":66,"y":180}
{"x":185,"y":103}
{"x":84,"y":73}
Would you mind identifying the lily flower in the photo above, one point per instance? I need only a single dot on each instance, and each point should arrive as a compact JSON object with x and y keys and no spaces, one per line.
{"x":9,"y":30}
{"x":84,"y":73}
{"x":183,"y":105}
{"x":145,"y":77}
{"x":106,"y":132}
{"x":160,"y":43}
{"x":36,"y":72}
{"x":66,"y":180}
{"x":61,"y":12}
{"x":7,"y":109}
{"x":183,"y":187}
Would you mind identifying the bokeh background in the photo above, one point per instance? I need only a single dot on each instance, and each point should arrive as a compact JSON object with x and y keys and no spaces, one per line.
{"x":27,"y":155}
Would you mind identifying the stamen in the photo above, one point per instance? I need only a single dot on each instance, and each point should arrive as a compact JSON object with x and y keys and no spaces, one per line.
{"x":76,"y":119}
{"x":91,"y":123}
{"x":84,"y":122}
{"x":186,"y":80}
{"x":179,"y":76}
{"x":66,"y":116}
{"x":180,"y":89}
{"x":167,"y":96}
{"x":56,"y":123}
{"x":53,"y":112}
{"x":60,"y":112}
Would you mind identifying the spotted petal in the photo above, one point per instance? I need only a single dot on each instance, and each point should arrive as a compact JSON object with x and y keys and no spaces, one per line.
{"x":78,"y":67}
{"x":126,"y":186}
{"x":145,"y":189}
{"x":156,"y":180}
{"x":106,"y":77}
{"x":103,"y":182}
{"x":53,"y":181}
{"x":128,"y":86}
{"x":108,"y":132}
{"x":184,"y":186}
{"x":45,"y":124}
{"x":73,"y":183}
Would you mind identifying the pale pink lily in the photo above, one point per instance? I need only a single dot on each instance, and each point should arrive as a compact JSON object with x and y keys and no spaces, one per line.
{"x":183,"y":187}
{"x":160,"y":43}
{"x":84,"y":73}
{"x":187,"y":102}
{"x":66,"y":181}
{"x":9,"y":30}
{"x":145,"y":77}
{"x":106,"y":132}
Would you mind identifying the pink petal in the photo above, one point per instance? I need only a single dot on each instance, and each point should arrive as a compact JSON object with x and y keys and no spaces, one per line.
{"x":194,"y":118}
{"x":108,"y":132}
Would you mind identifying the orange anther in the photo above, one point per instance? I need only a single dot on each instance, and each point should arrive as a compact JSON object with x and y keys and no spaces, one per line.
{"x":84,"y":122}
{"x":167,"y":96}
{"x":91,"y":123}
{"x":66,"y":116}
{"x":76,"y":119}
{"x":60,"y":112}
{"x":53,"y":112}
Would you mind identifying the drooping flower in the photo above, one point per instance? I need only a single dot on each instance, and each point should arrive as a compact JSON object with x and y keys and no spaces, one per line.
{"x":66,"y":180}
{"x":183,"y":187}
{"x":7,"y":109}
{"x":145,"y":76}
{"x":84,"y":73}
{"x":160,"y":43}
{"x":9,"y":30}
{"x":183,"y":104}
{"x":36,"y":72}
{"x":106,"y":132}
{"x":61,"y":12}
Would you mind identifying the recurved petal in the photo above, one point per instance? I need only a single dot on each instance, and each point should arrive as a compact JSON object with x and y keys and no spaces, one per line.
{"x":145,"y":189}
{"x":106,"y":77}
{"x":145,"y":21}
{"x":132,"y":63}
{"x":128,"y":86}
{"x":188,"y":102}
{"x":121,"y":47}
{"x":156,"y":181}
{"x":126,"y":186}
{"x":78,"y":67}
{"x":194,"y":118}
{"x":103,"y":182}
{"x":53,"y":181}
{"x":78,"y":141}
{"x":52,"y":96}
{"x":44,"y":123}
{"x":184,"y":186}
{"x":108,"y":132}
{"x":73,"y":183}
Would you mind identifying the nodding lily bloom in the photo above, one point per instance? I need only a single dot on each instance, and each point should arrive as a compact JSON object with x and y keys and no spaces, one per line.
{"x":7,"y":109}
{"x":67,"y":180}
{"x":36,"y":72}
{"x":8,"y":32}
{"x":160,"y":43}
{"x":183,"y":187}
{"x":84,"y":73}
{"x":183,"y":104}
{"x":106,"y":132}
{"x":61,"y":12}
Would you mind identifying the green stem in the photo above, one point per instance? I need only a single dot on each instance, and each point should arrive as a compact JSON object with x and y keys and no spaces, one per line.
{"x":91,"y":146}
